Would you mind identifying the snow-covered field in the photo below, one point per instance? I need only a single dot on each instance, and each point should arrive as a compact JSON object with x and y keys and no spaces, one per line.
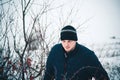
{"x":109,"y":55}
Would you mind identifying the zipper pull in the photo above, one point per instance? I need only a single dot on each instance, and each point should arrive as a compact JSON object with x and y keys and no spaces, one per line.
{"x":93,"y":78}
{"x":65,"y":55}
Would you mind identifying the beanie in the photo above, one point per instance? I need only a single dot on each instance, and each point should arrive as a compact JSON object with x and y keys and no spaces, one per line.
{"x":68,"y":33}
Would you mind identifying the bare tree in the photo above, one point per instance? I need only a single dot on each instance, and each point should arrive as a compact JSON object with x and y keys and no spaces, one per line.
{"x":21,"y":40}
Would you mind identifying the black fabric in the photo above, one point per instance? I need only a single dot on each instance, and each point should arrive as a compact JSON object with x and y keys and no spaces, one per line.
{"x":68,"y":33}
{"x":79,"y":64}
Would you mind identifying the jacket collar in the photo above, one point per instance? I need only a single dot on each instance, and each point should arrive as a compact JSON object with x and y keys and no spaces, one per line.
{"x":71,"y":53}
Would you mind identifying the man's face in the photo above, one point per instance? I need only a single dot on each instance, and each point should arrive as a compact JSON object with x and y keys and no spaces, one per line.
{"x":68,"y":45}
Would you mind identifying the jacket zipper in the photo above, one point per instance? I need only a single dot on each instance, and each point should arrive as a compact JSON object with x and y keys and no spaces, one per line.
{"x":65,"y":66}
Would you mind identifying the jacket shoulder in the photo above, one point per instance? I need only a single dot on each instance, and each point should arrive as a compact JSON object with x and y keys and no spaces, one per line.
{"x":56,"y":47}
{"x":53,"y":51}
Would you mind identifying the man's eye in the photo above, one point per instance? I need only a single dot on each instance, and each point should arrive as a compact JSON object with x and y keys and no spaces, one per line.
{"x":69,"y":41}
{"x":63,"y":41}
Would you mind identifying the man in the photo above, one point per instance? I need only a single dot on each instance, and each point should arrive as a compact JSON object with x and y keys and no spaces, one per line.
{"x":71,"y":61}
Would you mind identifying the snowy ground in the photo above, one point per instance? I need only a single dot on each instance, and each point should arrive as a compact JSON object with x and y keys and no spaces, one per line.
{"x":109,"y":56}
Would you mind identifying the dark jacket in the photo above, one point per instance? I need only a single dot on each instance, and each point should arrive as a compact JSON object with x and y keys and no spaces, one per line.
{"x":79,"y":64}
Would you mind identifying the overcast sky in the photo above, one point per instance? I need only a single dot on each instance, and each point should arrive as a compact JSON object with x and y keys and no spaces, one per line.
{"x":104,"y":17}
{"x":105,"y":21}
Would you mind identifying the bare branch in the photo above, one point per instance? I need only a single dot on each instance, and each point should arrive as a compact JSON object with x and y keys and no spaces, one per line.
{"x":87,"y":20}
{"x":5,"y":2}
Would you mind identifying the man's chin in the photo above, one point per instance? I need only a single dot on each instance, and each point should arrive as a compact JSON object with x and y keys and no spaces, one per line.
{"x":67,"y":51}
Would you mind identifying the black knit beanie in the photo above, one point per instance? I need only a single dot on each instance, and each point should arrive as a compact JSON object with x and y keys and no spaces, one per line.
{"x":68,"y":33}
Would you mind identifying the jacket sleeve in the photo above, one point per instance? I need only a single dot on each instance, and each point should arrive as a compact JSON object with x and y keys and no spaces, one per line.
{"x":98,"y":65}
{"x":49,"y":70}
